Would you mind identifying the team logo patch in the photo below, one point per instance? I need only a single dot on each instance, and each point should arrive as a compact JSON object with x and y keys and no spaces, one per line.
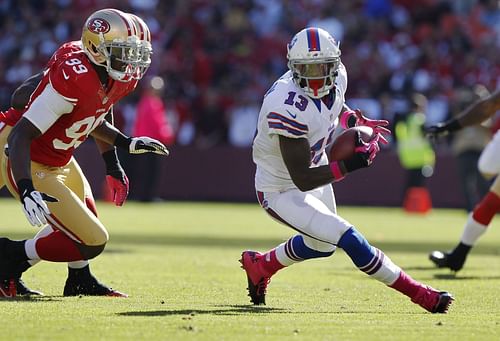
{"x":98,"y":26}
{"x":265,"y":204}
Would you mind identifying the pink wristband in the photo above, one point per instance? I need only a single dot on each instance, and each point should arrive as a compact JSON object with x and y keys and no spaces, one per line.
{"x":344,"y":118}
{"x":337,"y":173}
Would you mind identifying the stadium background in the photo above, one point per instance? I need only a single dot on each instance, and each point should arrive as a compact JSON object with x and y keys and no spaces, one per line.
{"x":219,"y":57}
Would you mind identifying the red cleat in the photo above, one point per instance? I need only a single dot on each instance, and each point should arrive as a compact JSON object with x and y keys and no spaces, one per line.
{"x":8,"y":288}
{"x":432,"y":300}
{"x":257,"y":281}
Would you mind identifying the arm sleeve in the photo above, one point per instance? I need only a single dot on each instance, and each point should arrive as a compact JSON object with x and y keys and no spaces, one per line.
{"x":47,"y":108}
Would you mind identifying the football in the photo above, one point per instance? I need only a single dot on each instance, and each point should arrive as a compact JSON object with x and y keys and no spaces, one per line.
{"x":343,"y":146}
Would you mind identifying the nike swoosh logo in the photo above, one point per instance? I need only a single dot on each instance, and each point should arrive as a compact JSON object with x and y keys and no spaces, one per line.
{"x":293,"y":115}
{"x":65,"y":75}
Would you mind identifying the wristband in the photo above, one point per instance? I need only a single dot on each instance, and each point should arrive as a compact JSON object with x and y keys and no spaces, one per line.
{"x":24,"y":186}
{"x":453,"y":125}
{"x":122,"y":141}
{"x":111,"y":160}
{"x":336,"y":171}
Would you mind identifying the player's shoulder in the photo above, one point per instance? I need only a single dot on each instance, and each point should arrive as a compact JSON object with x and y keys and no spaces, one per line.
{"x":287,"y":99}
{"x":283,"y":109}
{"x":280,"y":88}
{"x":73,"y":76}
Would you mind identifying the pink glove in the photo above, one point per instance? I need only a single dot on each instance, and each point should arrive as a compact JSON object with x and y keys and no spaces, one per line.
{"x":119,"y":188}
{"x":370,"y":149}
{"x":348,"y":117}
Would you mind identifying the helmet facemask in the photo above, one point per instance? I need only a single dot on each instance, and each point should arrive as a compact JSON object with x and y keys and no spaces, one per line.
{"x":315,"y":77}
{"x":122,"y":58}
{"x":145,"y":53}
{"x":314,"y":60}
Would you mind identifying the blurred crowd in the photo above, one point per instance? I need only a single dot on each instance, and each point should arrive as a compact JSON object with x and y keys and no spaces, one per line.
{"x":218,"y":57}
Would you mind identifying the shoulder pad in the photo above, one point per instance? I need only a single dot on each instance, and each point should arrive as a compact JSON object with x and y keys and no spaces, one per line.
{"x":73,"y":77}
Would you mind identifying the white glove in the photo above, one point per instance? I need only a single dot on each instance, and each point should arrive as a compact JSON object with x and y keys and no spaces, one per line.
{"x":144,"y":144}
{"x":34,"y":205}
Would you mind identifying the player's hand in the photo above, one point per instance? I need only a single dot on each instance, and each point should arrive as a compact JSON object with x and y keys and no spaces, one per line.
{"x":365,"y":153}
{"x":378,"y":126}
{"x":144,"y":144}
{"x":439,"y":129}
{"x":119,"y":185}
{"x":34,"y":203}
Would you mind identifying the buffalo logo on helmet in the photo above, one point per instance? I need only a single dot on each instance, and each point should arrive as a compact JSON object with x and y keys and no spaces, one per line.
{"x":98,"y":25}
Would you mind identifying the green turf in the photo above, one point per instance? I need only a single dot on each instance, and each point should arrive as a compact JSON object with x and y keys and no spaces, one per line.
{"x":179,"y":263}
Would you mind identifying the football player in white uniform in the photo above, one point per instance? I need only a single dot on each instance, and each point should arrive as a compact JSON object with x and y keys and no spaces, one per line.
{"x":293,"y":180}
{"x":489,"y":166}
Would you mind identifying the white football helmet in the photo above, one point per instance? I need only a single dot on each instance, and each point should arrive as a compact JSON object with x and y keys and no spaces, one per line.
{"x":144,"y":34}
{"x":109,"y":38}
{"x":314,"y":58}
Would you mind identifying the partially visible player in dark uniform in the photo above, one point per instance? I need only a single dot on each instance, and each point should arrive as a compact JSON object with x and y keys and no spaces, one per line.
{"x":489,"y":165}
{"x":77,"y":91}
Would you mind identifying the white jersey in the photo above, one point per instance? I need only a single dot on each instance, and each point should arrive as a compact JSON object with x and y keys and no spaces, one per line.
{"x":288,"y":111}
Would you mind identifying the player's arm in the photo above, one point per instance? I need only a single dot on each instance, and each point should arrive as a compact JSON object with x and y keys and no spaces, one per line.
{"x":476,"y":113}
{"x":108,"y":133}
{"x":116,"y":178}
{"x":30,"y":126}
{"x":296,"y":154}
{"x":21,"y":95}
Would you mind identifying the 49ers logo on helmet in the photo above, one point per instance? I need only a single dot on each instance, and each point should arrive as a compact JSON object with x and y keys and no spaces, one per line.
{"x":98,"y":25}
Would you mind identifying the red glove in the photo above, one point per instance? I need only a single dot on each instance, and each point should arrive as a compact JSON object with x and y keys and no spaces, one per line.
{"x":349,"y":119}
{"x":118,"y":187}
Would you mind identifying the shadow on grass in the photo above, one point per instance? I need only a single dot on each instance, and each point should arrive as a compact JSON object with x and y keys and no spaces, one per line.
{"x":117,"y":241}
{"x":34,"y":298}
{"x":218,"y":310}
{"x":235,"y":310}
{"x":455,"y":277}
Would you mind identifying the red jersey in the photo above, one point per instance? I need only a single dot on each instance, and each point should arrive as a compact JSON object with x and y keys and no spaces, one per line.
{"x":72,"y":75}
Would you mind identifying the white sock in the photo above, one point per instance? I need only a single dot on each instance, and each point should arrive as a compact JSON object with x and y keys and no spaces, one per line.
{"x":79,"y":264}
{"x":472,"y":231}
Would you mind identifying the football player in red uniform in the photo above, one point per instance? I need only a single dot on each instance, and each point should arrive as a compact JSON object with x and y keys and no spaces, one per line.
{"x":77,"y":91}
{"x":489,"y":165}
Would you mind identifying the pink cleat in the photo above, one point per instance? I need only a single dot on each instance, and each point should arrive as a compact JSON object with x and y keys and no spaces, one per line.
{"x":432,"y":300}
{"x":257,"y":281}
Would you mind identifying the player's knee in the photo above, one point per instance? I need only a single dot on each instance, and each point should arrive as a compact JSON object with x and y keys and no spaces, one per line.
{"x":325,"y":248}
{"x":90,"y":251}
{"x":98,"y":237}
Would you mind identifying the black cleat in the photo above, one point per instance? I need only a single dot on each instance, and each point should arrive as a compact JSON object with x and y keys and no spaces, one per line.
{"x":445,"y":300}
{"x":23,"y":290}
{"x":451,"y":260}
{"x":89,"y":286}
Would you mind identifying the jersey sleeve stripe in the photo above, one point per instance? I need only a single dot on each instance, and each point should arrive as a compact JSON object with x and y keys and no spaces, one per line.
{"x":284,"y":119}
{"x":276,"y":125}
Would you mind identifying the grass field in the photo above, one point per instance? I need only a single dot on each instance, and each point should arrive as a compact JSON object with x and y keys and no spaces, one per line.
{"x":179,"y":264}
